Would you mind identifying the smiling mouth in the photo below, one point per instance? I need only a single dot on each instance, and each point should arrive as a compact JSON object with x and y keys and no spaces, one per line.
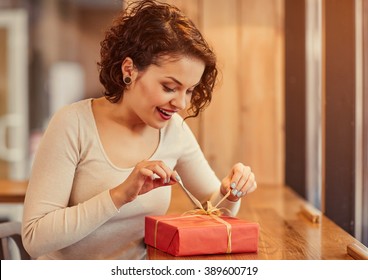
{"x":165,"y":114}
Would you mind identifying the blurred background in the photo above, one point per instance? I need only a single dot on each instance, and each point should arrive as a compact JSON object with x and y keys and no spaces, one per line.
{"x":292,"y":101}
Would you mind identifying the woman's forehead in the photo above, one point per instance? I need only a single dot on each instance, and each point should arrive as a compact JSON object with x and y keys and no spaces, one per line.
{"x":186,"y":70}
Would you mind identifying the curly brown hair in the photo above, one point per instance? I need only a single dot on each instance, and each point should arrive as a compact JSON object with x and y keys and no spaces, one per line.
{"x":145,"y":31}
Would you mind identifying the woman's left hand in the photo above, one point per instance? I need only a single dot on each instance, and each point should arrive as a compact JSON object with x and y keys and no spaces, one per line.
{"x":240,"y":181}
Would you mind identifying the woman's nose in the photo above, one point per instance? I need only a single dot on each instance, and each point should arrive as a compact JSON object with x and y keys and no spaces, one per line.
{"x":180,"y":101}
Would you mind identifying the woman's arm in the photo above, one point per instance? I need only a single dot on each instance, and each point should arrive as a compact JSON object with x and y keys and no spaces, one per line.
{"x":49,"y":224}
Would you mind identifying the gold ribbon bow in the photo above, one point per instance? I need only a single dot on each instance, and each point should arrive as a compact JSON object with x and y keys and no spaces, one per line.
{"x":210,"y":209}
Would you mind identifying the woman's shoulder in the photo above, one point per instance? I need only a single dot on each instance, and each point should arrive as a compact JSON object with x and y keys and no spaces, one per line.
{"x":80,"y":106}
{"x":177,"y":127}
{"x":73,"y":110}
{"x":69,"y":116}
{"x":176,"y":123}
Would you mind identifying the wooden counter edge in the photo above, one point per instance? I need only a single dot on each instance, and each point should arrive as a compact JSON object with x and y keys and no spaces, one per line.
{"x":357,"y":251}
{"x":311,"y":213}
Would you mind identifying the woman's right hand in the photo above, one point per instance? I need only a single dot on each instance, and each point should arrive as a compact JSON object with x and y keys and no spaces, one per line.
{"x":146,"y":176}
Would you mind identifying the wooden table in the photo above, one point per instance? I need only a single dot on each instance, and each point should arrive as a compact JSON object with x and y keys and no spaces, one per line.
{"x":285,"y":233}
{"x":12,"y":191}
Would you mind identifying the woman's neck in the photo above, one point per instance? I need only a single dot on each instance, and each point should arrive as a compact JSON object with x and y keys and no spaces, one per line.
{"x":122,"y":115}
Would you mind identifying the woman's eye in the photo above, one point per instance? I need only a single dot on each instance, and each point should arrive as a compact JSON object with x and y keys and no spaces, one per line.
{"x":167,"y":89}
{"x":189,"y":92}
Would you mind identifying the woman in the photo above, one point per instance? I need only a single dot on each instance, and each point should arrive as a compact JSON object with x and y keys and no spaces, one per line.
{"x":106,"y":163}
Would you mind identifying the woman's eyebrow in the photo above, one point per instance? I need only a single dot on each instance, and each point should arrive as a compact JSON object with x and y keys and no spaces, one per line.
{"x":175,"y":80}
{"x":179,"y":83}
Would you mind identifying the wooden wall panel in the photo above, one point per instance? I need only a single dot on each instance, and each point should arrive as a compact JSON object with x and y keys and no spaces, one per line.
{"x":221,"y":128}
{"x":4,"y":166}
{"x":245,"y":121}
{"x":260,"y":76}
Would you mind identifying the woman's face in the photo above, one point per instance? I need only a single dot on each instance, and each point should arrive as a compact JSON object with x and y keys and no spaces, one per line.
{"x":161,"y":91}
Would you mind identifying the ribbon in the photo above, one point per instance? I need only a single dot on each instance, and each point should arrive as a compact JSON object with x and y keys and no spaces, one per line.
{"x":212,"y":211}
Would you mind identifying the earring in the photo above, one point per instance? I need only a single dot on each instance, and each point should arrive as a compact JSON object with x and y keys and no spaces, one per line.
{"x":127,"y":80}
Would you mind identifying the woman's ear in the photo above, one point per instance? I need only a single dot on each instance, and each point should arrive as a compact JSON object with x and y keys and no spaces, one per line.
{"x":128,"y":69}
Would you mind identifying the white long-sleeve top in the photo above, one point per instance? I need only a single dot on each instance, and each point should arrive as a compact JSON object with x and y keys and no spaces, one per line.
{"x":68,"y":210}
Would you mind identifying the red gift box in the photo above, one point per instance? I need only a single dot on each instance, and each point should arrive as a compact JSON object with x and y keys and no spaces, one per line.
{"x":201,"y":234}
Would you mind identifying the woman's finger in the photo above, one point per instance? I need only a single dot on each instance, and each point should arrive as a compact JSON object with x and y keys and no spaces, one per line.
{"x":240,"y":179}
{"x":252,"y":188}
{"x":236,"y":174}
{"x":162,"y":171}
{"x":247,"y":186}
{"x":158,"y":170}
{"x":244,"y":178}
